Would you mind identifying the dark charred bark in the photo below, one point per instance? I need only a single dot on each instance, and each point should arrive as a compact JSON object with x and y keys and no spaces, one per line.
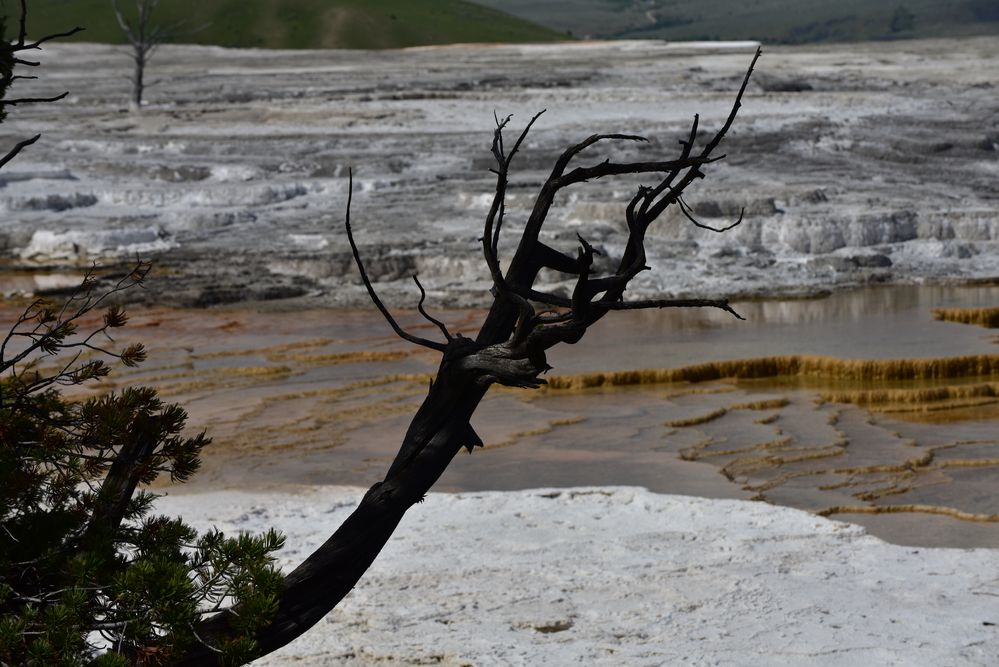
{"x":11,"y":55}
{"x":509,"y":350}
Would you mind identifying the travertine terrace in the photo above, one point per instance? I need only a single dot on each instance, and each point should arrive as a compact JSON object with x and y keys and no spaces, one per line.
{"x":855,"y":164}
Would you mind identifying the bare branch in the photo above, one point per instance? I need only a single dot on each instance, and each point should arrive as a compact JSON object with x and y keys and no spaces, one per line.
{"x":606,"y":168}
{"x":59,"y":35}
{"x":523,"y":135}
{"x":674,"y":303}
{"x":33,"y":100}
{"x":494,"y":219}
{"x":423,"y":297}
{"x":123,"y":22}
{"x":505,"y":168}
{"x":735,"y":106}
{"x":572,"y":151}
{"x":665,"y":184}
{"x":525,"y":320}
{"x":544,"y":297}
{"x":581,"y":294}
{"x":18,"y":147}
{"x":22,"y":29}
{"x":497,"y":148}
{"x":405,"y":335}
{"x":688,"y":212}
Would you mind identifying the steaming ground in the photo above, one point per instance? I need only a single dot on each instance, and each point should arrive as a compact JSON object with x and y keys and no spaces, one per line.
{"x":856,"y":164}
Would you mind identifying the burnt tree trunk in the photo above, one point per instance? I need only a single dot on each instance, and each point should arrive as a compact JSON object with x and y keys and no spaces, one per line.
{"x":138,"y":79}
{"x":509,"y":350}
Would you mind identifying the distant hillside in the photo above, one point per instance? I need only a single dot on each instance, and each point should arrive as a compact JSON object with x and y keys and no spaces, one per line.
{"x":298,"y":24}
{"x":780,"y":21}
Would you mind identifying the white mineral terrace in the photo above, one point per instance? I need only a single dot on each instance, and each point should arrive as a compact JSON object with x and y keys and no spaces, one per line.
{"x":872,"y":163}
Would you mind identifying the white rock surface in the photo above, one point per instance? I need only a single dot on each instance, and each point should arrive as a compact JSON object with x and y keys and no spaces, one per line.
{"x":872,"y":163}
{"x":622,"y":576}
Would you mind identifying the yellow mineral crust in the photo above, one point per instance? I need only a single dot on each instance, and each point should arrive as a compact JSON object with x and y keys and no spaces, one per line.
{"x":983,"y":317}
{"x":791,"y":366}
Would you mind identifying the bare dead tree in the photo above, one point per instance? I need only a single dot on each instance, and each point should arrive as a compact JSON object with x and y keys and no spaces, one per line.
{"x":144,"y":36}
{"x":11,"y":56}
{"x":509,"y":350}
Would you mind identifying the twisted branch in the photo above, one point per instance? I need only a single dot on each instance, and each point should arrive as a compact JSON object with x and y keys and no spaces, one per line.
{"x":402,"y":333}
{"x":419,"y":306}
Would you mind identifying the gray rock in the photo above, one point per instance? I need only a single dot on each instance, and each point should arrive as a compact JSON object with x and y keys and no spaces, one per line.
{"x":239,"y":163}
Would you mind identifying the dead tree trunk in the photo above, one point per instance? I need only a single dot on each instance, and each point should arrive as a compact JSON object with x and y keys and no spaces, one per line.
{"x":509,"y":350}
{"x":144,"y":37}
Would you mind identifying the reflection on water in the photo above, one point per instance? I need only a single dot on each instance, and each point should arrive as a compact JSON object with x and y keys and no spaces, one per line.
{"x":871,"y":323}
{"x":323,"y":397}
{"x":771,"y":443}
{"x":29,"y":283}
{"x":838,"y":460}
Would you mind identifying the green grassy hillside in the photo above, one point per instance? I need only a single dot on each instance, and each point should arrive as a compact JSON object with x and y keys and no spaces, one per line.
{"x":298,"y":24}
{"x":780,"y":21}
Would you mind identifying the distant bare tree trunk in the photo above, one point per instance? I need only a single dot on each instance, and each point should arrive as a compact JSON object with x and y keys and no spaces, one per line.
{"x":510,"y":350}
{"x":144,"y":37}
